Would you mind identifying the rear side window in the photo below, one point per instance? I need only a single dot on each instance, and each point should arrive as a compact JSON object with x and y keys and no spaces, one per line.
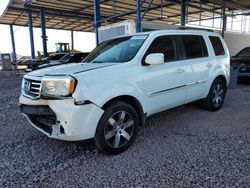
{"x":194,"y":46}
{"x":217,"y":45}
{"x":165,"y":45}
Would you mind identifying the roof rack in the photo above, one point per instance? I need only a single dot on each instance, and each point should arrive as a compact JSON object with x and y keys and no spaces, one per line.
{"x":194,"y":28}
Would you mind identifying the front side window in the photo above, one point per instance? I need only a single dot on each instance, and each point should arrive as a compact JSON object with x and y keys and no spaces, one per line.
{"x":117,"y":50}
{"x":165,"y":45}
{"x":194,"y":46}
{"x":217,"y":45}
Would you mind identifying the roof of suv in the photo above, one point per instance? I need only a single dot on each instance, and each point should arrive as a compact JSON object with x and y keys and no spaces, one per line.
{"x":176,"y":31}
{"x":187,"y":30}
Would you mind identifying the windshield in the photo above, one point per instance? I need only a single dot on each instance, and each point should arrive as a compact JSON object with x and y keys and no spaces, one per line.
{"x":117,"y":50}
{"x":244,"y":53}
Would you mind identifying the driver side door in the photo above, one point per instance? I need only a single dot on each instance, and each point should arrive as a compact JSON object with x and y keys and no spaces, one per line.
{"x":165,"y":84}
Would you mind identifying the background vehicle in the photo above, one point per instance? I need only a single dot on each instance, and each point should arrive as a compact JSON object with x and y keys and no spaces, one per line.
{"x":74,"y":57}
{"x":62,"y":47}
{"x":241,"y":61}
{"x":123,"y":81}
{"x":53,"y":58}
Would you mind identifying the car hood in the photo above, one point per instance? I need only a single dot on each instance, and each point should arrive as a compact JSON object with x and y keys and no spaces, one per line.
{"x":70,"y":68}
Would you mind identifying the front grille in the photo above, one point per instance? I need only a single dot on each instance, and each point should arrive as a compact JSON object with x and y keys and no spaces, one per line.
{"x":43,"y":122}
{"x":31,"y":88}
{"x":42,"y":117}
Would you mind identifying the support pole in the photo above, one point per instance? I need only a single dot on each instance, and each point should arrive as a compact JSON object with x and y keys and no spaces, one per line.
{"x":32,"y":46}
{"x":44,"y":37}
{"x":224,"y":23}
{"x":138,"y":16}
{"x":72,"y":40}
{"x":145,"y":11}
{"x":97,"y":17}
{"x":183,"y":12}
{"x":13,"y":43}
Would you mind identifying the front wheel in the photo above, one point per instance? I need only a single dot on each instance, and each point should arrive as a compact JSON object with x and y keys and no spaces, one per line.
{"x":216,"y":95}
{"x":117,"y":128}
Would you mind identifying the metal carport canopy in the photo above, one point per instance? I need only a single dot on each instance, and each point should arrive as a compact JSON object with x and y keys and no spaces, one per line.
{"x":16,"y":13}
{"x":78,"y":15}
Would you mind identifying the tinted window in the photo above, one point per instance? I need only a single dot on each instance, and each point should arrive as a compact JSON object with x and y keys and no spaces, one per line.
{"x":195,"y":46}
{"x":217,"y":45}
{"x":244,"y":53}
{"x":165,"y":45}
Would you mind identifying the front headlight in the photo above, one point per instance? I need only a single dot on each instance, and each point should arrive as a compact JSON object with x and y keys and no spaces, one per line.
{"x":58,"y":86}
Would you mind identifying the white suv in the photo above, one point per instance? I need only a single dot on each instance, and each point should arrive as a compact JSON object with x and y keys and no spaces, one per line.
{"x":124,"y":80}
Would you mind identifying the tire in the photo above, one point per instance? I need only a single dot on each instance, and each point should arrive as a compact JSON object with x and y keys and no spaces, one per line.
{"x":117,"y":128}
{"x":216,"y":95}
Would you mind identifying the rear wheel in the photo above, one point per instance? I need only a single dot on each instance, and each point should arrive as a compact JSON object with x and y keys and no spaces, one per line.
{"x":216,"y":95}
{"x":117,"y":128}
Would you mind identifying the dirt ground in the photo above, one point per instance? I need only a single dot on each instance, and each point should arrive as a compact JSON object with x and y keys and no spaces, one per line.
{"x":182,"y":147}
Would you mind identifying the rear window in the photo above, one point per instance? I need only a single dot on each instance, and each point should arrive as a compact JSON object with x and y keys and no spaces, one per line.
{"x":217,"y":45}
{"x":195,"y":46}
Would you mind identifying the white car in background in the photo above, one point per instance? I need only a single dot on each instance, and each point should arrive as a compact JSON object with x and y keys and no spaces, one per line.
{"x":123,"y":81}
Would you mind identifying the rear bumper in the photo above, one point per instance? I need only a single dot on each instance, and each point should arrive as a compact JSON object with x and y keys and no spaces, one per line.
{"x":62,"y":119}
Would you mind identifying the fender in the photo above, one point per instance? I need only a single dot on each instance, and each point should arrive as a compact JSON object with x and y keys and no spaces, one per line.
{"x":103,"y":95}
{"x":218,"y":71}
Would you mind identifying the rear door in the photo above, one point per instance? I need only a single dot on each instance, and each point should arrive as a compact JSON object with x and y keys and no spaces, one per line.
{"x":199,"y":66}
{"x":165,"y":83}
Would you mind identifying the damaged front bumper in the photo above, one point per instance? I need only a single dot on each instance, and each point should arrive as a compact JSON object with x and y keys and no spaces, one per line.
{"x":62,"y":119}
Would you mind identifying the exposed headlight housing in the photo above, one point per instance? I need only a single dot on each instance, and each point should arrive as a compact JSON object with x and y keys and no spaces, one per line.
{"x":58,"y":86}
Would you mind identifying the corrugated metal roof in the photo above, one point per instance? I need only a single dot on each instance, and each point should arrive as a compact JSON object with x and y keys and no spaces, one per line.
{"x":78,"y":14}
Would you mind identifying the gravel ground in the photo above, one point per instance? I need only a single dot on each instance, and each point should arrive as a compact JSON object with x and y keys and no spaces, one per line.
{"x":182,"y":147}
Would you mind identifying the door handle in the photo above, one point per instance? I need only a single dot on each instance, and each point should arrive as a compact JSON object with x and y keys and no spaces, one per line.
{"x":209,"y":65}
{"x":179,"y":70}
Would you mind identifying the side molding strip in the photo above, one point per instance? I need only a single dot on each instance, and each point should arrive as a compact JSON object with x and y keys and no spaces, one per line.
{"x":167,"y":90}
{"x":178,"y":87}
{"x":195,"y":83}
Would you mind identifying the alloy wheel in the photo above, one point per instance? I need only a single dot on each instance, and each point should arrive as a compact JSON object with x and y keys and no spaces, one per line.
{"x":119,"y":129}
{"x":218,"y":95}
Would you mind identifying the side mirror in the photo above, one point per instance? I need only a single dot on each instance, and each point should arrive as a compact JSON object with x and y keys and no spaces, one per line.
{"x":155,"y":59}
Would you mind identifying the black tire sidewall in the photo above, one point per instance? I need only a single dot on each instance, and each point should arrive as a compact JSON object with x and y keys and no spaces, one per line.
{"x":99,"y":136}
{"x":210,"y":95}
